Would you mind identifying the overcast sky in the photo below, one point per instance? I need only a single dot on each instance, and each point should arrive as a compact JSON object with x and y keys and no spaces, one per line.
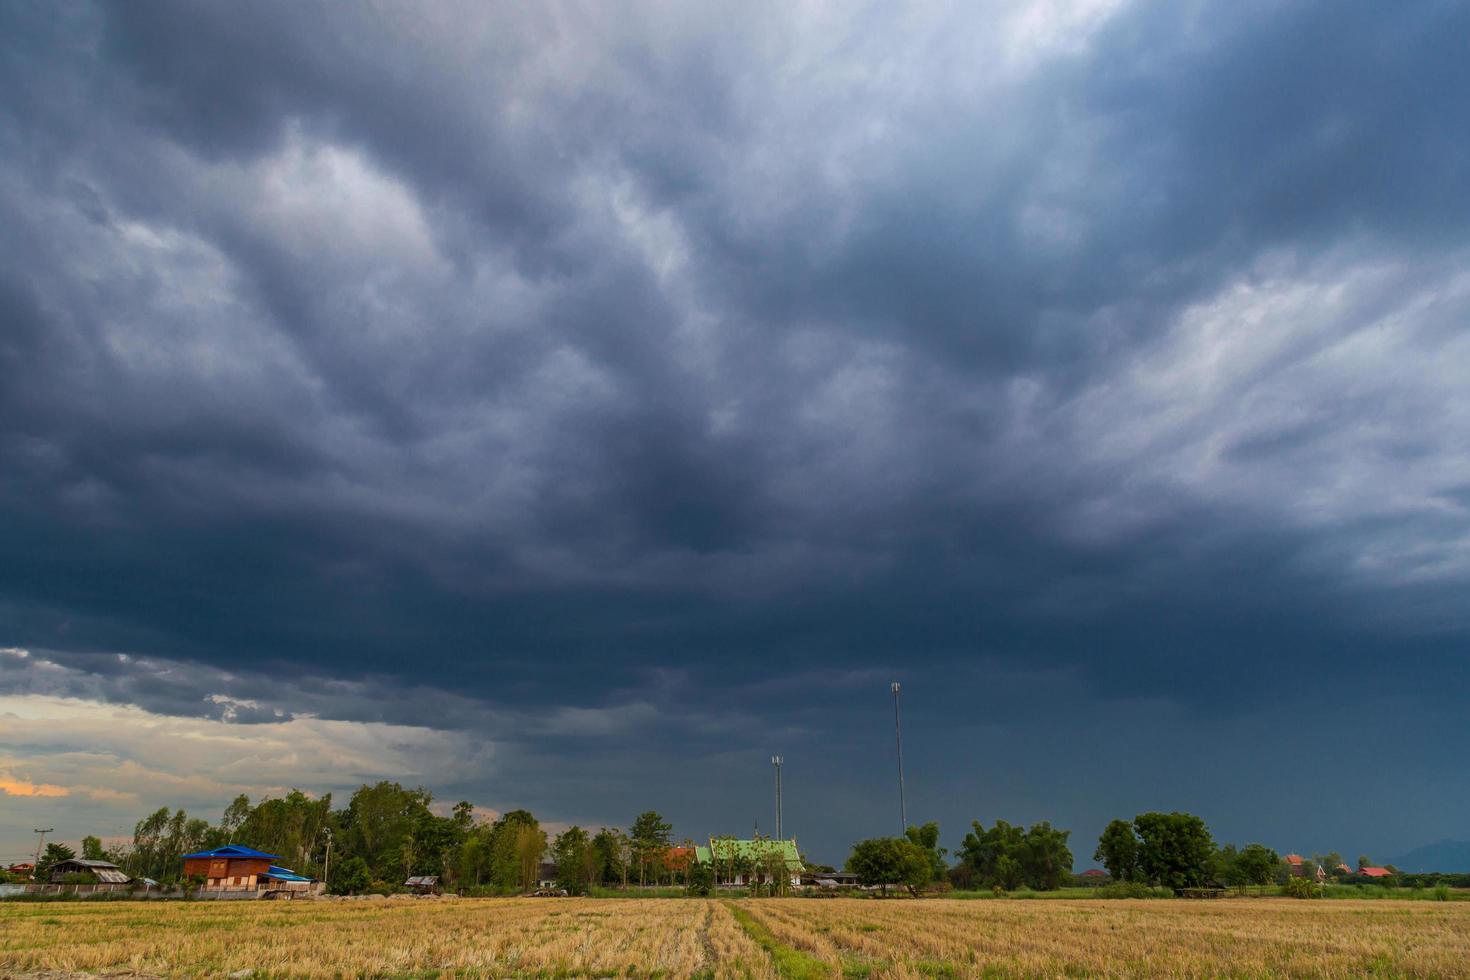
{"x":569,"y":406}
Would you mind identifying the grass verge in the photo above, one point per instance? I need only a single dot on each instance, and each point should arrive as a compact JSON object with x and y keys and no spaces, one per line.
{"x":791,"y":963}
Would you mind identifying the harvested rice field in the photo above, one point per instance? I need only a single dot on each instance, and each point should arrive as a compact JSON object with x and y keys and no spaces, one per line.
{"x":744,"y":938}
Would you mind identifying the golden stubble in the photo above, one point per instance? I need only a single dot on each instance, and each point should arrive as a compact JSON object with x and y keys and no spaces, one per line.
{"x":700,"y":938}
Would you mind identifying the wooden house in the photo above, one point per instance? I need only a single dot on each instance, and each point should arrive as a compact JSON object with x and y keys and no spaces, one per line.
{"x":235,"y":867}
{"x":231,"y":866}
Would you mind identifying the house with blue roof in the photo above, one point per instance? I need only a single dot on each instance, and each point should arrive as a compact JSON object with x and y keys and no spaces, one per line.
{"x":237,"y":868}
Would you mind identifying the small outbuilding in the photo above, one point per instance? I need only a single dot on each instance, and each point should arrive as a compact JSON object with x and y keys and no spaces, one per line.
{"x":96,"y":872}
{"x":423,"y":884}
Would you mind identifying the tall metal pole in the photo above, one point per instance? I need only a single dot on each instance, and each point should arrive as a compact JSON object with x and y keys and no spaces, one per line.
{"x":903,"y":813}
{"x":39,"y":841}
{"x":776,"y":761}
{"x":327,"y":864}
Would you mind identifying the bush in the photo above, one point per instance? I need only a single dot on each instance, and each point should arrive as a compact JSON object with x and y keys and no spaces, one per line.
{"x":701,"y":880}
{"x":1441,"y":892}
{"x":1301,"y":888}
{"x":1131,"y":889}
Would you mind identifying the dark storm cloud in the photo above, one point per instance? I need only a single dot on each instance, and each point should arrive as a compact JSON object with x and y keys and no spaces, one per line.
{"x":623,"y":365}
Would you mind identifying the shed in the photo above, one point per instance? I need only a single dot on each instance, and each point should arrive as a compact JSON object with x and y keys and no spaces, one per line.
{"x":102,"y":871}
{"x":423,"y":884}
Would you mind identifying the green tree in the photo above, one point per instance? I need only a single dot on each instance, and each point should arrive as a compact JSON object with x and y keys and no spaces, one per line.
{"x":1046,"y":861}
{"x":701,"y":879}
{"x":927,"y":837}
{"x":1257,"y":864}
{"x":53,"y":853}
{"x":507,"y":868}
{"x":160,"y":840}
{"x":1175,"y":849}
{"x":351,"y":877}
{"x":373,"y":827}
{"x":888,"y":861}
{"x":290,"y":827}
{"x":530,"y":845}
{"x":994,"y":856}
{"x":575,"y":860}
{"x":612,"y":848}
{"x":1117,"y":849}
{"x":235,"y":814}
{"x":92,"y":849}
{"x":472,"y":863}
{"x":650,"y":836}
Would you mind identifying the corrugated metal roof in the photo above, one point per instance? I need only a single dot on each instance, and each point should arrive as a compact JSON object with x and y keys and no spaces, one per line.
{"x":727,"y":848}
{"x":233,"y":851}
{"x":104,"y":871}
{"x":284,"y":874}
{"x":422,"y":881}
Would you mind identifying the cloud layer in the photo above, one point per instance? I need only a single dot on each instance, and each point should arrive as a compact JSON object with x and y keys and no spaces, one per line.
{"x":611,"y":386}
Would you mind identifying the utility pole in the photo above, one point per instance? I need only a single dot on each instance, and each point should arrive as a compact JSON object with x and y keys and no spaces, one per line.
{"x":39,"y":842}
{"x":327,"y":862}
{"x":903,"y":813}
{"x":776,"y":761}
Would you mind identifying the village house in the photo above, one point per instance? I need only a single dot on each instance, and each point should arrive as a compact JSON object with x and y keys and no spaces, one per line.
{"x":1299,"y":867}
{"x":1372,"y":872}
{"x":236,"y":868}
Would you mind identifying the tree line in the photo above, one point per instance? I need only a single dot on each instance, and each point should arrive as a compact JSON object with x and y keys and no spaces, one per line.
{"x":387,"y":833}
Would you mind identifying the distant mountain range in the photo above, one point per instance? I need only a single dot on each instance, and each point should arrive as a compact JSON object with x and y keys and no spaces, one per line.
{"x":1447,"y":855}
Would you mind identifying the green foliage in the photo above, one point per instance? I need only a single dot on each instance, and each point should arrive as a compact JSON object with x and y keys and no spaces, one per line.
{"x":927,"y":837}
{"x":160,"y":840}
{"x":291,"y":827}
{"x":1131,"y":889}
{"x":701,"y":879}
{"x":1175,"y":849}
{"x":1118,"y":849}
{"x":352,"y":877}
{"x":1301,"y":888}
{"x":382,"y":825}
{"x":890,"y":861}
{"x":1257,"y":864}
{"x":613,"y":850}
{"x":1009,"y":857}
{"x":53,"y":853}
{"x":790,"y":963}
{"x":650,"y":836}
{"x":576,"y":861}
